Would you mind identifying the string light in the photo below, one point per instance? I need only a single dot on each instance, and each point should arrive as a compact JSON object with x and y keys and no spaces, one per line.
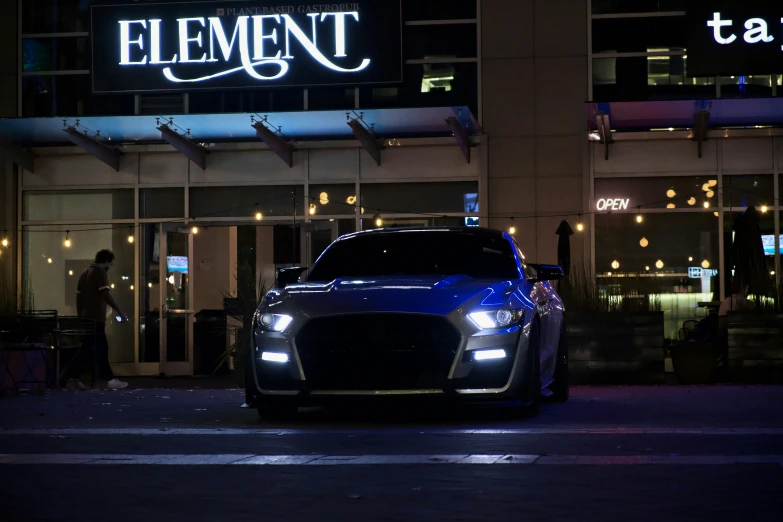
{"x":378,"y":220}
{"x":130,"y":239}
{"x":647,"y":268}
{"x":131,"y":287}
{"x":49,"y":260}
{"x":312,"y":208}
{"x":659,"y":264}
{"x":149,"y":285}
{"x":4,"y":242}
{"x":690,"y":258}
{"x":639,"y":218}
{"x":259,"y":216}
{"x":615,"y":264}
{"x":323,"y":198}
{"x":763,"y":209}
{"x":194,"y":230}
{"x":706,"y":204}
{"x":579,"y":225}
{"x":70,"y":272}
{"x":67,"y":241}
{"x":643,"y":242}
{"x":351,"y":200}
{"x":670,"y":193}
{"x":512,"y":229}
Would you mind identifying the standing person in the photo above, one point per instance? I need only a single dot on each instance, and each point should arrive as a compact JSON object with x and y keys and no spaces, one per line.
{"x":93,"y":296}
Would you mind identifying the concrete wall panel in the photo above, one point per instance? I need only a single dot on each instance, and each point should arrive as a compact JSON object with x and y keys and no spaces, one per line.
{"x":79,"y":170}
{"x":656,"y":156}
{"x":747,"y":155}
{"x":334,"y":164}
{"x":511,"y":157}
{"x":419,"y":163}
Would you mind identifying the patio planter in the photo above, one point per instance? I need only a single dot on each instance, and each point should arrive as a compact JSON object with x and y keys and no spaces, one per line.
{"x":616,"y":348}
{"x":755,"y":342}
{"x":694,"y":361}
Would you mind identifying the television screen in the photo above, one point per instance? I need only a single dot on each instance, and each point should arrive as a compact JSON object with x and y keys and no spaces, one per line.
{"x":768,"y":240}
{"x":177,"y":263}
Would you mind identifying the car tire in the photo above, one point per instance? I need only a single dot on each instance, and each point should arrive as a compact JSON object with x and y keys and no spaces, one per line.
{"x":560,"y":387}
{"x":276,"y":408}
{"x":532,"y":384}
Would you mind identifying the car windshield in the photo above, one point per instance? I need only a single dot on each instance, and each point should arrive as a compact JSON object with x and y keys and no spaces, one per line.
{"x":418,"y":252}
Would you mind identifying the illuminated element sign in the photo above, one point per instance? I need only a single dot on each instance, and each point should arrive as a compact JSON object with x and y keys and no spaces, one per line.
{"x":239,"y":44}
{"x":611,"y":204}
{"x":697,"y":272}
{"x":741,"y":41}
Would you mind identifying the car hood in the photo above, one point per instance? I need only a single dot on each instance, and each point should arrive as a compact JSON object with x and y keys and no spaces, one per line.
{"x":431,"y":295}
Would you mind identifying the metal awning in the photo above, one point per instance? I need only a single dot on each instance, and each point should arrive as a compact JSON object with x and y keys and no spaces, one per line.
{"x":681,"y":114}
{"x":214,"y":128}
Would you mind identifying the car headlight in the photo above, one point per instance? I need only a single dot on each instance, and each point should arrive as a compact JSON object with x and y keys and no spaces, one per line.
{"x":274,"y":322}
{"x":496,"y":318}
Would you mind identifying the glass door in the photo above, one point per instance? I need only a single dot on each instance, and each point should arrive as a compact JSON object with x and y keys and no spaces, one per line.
{"x":177,"y":314}
{"x":320,"y":234}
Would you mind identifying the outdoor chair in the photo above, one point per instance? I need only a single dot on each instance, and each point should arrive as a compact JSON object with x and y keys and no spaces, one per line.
{"x":26,"y":333}
{"x":74,"y":334}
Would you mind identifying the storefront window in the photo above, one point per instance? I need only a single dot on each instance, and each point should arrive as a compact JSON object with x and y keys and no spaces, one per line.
{"x":69,"y":95}
{"x":637,"y":6}
{"x":162,"y":203}
{"x":260,"y":100}
{"x":55,"y":16}
{"x":245,"y":202}
{"x":669,"y":260}
{"x":452,"y":10}
{"x":77,"y":204}
{"x":748,"y":191}
{"x":330,"y":200}
{"x":330,"y":98}
{"x":412,"y":198}
{"x":625,"y":35}
{"x":647,"y":78}
{"x":53,"y":270}
{"x":428,"y":85}
{"x":689,"y":192}
{"x":453,"y":40}
{"x":392,"y":222}
{"x":55,"y":54}
{"x":745,"y":86}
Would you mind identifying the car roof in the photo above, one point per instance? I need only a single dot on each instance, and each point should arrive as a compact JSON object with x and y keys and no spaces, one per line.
{"x":488,"y":233}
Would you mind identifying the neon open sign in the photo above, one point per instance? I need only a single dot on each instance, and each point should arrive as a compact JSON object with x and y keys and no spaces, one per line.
{"x":611,"y":204}
{"x":203,"y":45}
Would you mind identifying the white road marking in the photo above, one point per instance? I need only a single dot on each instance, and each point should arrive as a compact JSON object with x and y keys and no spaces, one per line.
{"x":380,"y":431}
{"x":376,"y":460}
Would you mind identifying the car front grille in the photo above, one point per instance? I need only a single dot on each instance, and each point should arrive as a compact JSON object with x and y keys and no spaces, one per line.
{"x":377,"y":351}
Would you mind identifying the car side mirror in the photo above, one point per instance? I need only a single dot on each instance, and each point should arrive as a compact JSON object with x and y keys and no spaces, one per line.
{"x":546,"y":273}
{"x":289,"y":276}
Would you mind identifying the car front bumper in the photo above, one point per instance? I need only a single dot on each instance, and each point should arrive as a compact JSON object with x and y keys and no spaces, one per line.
{"x":398,"y":373}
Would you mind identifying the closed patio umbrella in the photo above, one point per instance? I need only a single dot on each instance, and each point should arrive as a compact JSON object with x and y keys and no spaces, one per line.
{"x":747,"y":254}
{"x":564,"y":248}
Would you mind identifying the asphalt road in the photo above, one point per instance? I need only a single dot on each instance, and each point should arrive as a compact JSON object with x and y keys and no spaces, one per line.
{"x":610,"y":453}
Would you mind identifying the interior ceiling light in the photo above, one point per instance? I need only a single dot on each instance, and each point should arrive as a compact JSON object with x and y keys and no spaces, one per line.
{"x":691,"y":201}
{"x":323,"y":198}
{"x":659,"y":264}
{"x":671,"y":205}
{"x":670,"y":193}
{"x":643,"y":242}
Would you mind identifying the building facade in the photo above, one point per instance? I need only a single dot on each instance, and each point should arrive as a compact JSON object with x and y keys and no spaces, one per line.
{"x":522,"y":84}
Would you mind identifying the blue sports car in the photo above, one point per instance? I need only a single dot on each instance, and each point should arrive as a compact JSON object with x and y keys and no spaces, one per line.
{"x":411,"y":312}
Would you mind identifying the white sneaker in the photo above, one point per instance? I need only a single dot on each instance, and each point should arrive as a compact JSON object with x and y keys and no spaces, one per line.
{"x":116,"y":384}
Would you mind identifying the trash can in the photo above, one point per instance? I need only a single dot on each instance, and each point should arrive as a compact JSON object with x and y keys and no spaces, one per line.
{"x":210,"y":343}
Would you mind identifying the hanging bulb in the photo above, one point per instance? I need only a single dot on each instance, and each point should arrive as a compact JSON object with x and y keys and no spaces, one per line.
{"x":312,"y":208}
{"x":323,"y":198}
{"x":67,"y":241}
{"x":580,"y":227}
{"x":615,"y":264}
{"x":659,"y":264}
{"x":644,"y":242}
{"x":706,"y":204}
{"x":705,"y":264}
{"x":639,"y":218}
{"x":4,"y":242}
{"x":49,"y":260}
{"x":670,"y":193}
{"x":763,"y":209}
{"x":259,"y":216}
{"x":131,"y":239}
{"x":351,"y":200}
{"x":378,"y":220}
{"x":512,"y":229}
{"x":194,"y":230}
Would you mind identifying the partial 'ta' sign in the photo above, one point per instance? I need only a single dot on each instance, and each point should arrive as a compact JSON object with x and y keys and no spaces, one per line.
{"x":244,"y":44}
{"x":736,"y":41}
